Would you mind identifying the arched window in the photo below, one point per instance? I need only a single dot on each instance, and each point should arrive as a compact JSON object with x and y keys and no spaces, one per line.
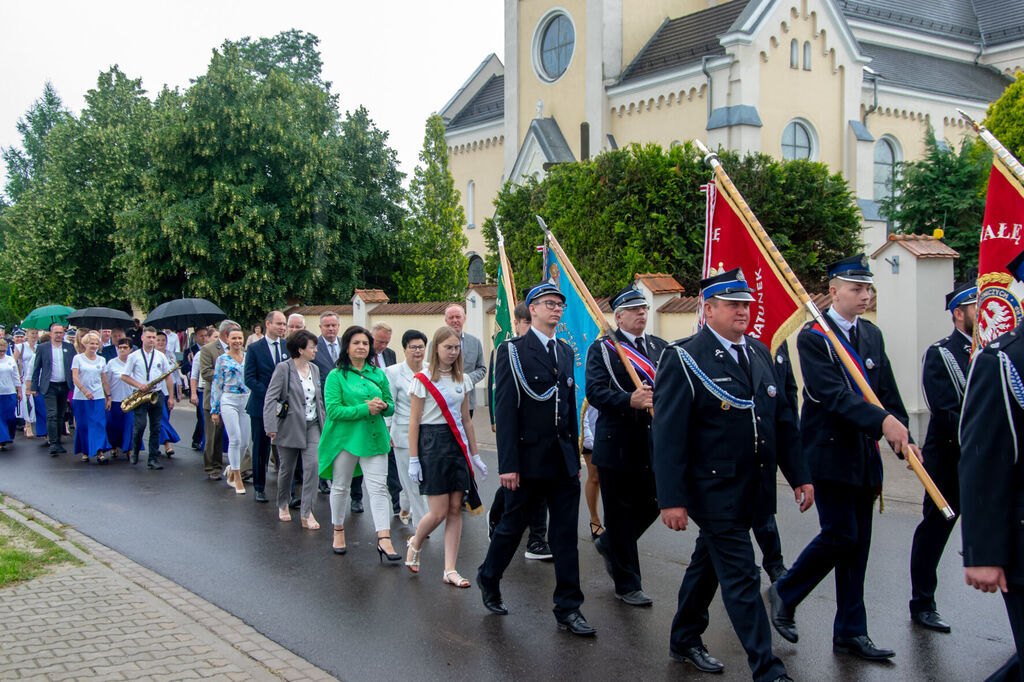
{"x":471,"y":205}
{"x":807,"y":56}
{"x":794,"y":54}
{"x":798,"y":141}
{"x":476,"y":270}
{"x":554,"y":42}
{"x":887,"y":158}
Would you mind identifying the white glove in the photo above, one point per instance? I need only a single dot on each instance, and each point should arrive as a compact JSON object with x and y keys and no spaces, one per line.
{"x":480,"y":466}
{"x":415,"y":473}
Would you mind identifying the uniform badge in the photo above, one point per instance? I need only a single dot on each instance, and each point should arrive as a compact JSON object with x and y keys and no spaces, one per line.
{"x":458,"y":389}
{"x":994,"y":344}
{"x":725,"y":405}
{"x":719,"y":352}
{"x":967,"y":349}
{"x":569,"y":382}
{"x":869,"y":363}
{"x":771,"y":391}
{"x":779,"y":359}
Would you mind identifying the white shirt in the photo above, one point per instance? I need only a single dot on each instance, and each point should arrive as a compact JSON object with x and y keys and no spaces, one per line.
{"x":844,"y":324}
{"x":400,"y":376}
{"x":9,"y":377}
{"x":333,"y":348}
{"x":119,"y":390}
{"x":431,"y":410}
{"x":195,"y":372}
{"x":135,"y":367}
{"x":380,"y":361}
{"x":57,"y":364}
{"x":90,"y":375}
{"x":632,"y":339}
{"x":544,"y":340}
{"x":173,"y":343}
{"x":727,"y":344}
{"x":281,"y":348}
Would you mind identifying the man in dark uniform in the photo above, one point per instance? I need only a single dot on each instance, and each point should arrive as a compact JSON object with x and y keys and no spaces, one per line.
{"x":992,"y":478}
{"x":622,"y":441}
{"x":840,"y":432}
{"x":721,"y":424}
{"x":538,"y":456}
{"x":944,"y":378}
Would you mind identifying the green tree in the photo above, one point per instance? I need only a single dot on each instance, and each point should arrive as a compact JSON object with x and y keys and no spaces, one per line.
{"x":293,"y":52}
{"x":63,"y":224}
{"x":944,"y":189}
{"x":640,"y":209}
{"x":1005,"y":118}
{"x":25,"y":165}
{"x":434,"y":268}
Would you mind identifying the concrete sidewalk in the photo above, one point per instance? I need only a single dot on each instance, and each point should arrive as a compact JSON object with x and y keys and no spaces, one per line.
{"x":112,"y":619}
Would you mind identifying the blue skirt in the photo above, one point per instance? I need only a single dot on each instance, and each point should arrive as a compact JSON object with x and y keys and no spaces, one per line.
{"x":167,"y":432}
{"x":119,"y":428}
{"x":8,"y":408}
{"x":90,"y":427}
{"x":40,"y":404}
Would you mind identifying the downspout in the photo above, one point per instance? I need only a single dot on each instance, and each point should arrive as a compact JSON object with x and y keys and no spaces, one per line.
{"x":707,"y":75}
{"x":874,"y":83}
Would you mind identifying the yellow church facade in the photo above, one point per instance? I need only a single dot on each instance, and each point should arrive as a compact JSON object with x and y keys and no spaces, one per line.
{"x":851,"y":83}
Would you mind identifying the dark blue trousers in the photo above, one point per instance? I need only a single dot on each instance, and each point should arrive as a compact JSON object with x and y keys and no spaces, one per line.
{"x":845,"y":513}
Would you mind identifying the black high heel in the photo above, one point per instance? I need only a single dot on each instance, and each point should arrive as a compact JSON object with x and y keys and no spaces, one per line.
{"x":381,"y":552}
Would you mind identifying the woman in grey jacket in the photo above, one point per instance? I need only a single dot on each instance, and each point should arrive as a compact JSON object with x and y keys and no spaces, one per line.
{"x":295,"y":391}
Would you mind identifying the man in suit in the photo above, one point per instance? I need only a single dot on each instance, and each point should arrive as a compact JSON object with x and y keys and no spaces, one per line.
{"x":328,"y":346}
{"x":538,"y":455}
{"x":943,"y":379}
{"x":109,"y":352}
{"x":386,"y":357}
{"x":51,"y":378}
{"x":472,"y":350}
{"x":721,"y":426}
{"x":213,"y":450}
{"x":260,"y":359}
{"x":192,"y":357}
{"x":840,"y":432}
{"x":992,"y":478}
{"x":622,"y":441}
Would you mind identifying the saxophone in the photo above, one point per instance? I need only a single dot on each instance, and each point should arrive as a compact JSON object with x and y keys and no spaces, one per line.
{"x":146,"y":393}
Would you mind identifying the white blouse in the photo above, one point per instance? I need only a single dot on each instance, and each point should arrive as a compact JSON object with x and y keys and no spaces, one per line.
{"x":309,"y":391}
{"x":90,"y":375}
{"x":9,"y":377}
{"x":119,"y":390}
{"x":456,"y":393}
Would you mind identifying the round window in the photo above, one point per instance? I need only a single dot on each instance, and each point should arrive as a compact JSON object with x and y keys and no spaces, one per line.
{"x":557,"y":40}
{"x":796,"y":141}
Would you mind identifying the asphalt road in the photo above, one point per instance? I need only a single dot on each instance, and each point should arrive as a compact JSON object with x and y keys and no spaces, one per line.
{"x":360,"y":620}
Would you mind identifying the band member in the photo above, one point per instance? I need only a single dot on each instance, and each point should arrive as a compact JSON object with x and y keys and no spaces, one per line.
{"x":622,"y":441}
{"x":142,"y":367}
{"x":721,"y":424}
{"x":992,"y":478}
{"x":943,"y":379}
{"x":538,"y":455}
{"x":840,"y":432}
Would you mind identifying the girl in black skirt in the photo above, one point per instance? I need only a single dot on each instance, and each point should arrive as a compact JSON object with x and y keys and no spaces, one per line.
{"x":438,"y":452}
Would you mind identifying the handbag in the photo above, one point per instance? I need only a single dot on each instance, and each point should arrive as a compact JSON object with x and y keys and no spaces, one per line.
{"x":282,"y":409}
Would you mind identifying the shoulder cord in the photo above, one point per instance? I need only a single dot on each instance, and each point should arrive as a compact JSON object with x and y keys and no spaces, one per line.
{"x":956,"y":375}
{"x":1011,"y":384}
{"x":608,"y":365}
{"x":517,"y":372}
{"x":716,"y":390}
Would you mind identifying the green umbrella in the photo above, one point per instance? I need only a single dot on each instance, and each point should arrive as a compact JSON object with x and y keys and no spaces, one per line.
{"x":42,"y":318}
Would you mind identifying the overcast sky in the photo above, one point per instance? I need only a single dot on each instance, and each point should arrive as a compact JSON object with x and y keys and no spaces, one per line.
{"x":402,"y":59}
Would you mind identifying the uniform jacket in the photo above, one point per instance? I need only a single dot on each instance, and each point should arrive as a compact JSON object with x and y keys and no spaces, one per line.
{"x":622,"y":439}
{"x":839,"y":428}
{"x":529,"y":441}
{"x":943,"y":378}
{"x":286,"y":384}
{"x":43,"y":362}
{"x":720,"y":463}
{"x":991,"y":468}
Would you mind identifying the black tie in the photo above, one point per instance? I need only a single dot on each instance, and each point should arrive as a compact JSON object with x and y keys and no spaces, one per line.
{"x":741,"y":357}
{"x":551,"y":354}
{"x":853,"y":337}
{"x":277,"y":352}
{"x":640,"y":346}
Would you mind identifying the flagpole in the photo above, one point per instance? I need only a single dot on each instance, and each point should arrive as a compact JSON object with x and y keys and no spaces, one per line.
{"x":791,"y":279}
{"x":595,"y":310}
{"x":1008,"y":160}
{"x":506,"y":273}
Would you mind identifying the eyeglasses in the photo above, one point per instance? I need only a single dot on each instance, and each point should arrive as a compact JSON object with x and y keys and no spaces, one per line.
{"x":552,"y":305}
{"x":416,"y":348}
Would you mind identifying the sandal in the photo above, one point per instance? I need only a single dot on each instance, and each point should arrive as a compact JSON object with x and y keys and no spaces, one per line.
{"x":284,"y":514}
{"x":334,"y":545}
{"x":309,"y":522}
{"x":596,"y":529}
{"x":85,"y":459}
{"x":100,"y":459}
{"x":405,"y":517}
{"x":453,"y":578}
{"x":412,"y":558}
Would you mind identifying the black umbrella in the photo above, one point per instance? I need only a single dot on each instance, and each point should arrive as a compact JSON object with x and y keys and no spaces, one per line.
{"x":101,"y":318}
{"x":182,"y":313}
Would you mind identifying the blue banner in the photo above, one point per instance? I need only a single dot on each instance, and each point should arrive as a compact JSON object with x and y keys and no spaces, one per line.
{"x":578,"y":327}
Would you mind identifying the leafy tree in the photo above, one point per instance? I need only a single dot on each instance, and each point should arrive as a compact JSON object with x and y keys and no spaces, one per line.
{"x":640,"y":209}
{"x":63,"y":224}
{"x":1005,"y":117}
{"x":26,"y":164}
{"x":435,"y":267}
{"x":944,"y":189}
{"x":293,"y":52}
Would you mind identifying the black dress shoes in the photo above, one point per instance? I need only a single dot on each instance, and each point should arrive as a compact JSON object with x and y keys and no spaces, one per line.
{"x":260,"y":496}
{"x":698,"y":657}
{"x":599,"y":546}
{"x":930,"y":620}
{"x":635,"y":598}
{"x":861,"y":646}
{"x":134,"y":459}
{"x":775,"y":572}
{"x":54,"y":451}
{"x":154,"y":463}
{"x":295,"y":502}
{"x":782,"y":616}
{"x":357,"y":507}
{"x":324,"y":488}
{"x":492,"y":598}
{"x":577,"y":625}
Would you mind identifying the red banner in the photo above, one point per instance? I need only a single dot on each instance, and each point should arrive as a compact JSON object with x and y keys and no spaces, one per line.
{"x":729,"y":243}
{"x":1002,"y":238}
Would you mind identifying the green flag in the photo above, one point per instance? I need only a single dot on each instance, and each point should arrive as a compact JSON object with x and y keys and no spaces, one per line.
{"x":503,"y":312}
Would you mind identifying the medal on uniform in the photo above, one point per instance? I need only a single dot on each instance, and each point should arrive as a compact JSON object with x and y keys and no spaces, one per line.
{"x":779,"y":359}
{"x":569,"y":382}
{"x":725,"y":405}
{"x":771,"y":391}
{"x":869,"y":363}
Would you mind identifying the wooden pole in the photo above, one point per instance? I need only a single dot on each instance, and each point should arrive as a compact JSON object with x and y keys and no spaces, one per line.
{"x":506,"y":275}
{"x":595,"y":310}
{"x":851,"y":367}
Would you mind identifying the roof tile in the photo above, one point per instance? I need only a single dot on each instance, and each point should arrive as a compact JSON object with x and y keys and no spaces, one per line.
{"x":920,"y":245}
{"x":424,"y":308}
{"x":342,"y":310}
{"x":372,"y":295}
{"x":660,"y":283}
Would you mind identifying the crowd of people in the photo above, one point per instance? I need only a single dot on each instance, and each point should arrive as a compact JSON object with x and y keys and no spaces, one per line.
{"x":690,"y":431}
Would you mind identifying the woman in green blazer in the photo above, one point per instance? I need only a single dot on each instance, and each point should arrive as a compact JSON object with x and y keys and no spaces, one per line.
{"x":357,"y":397}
